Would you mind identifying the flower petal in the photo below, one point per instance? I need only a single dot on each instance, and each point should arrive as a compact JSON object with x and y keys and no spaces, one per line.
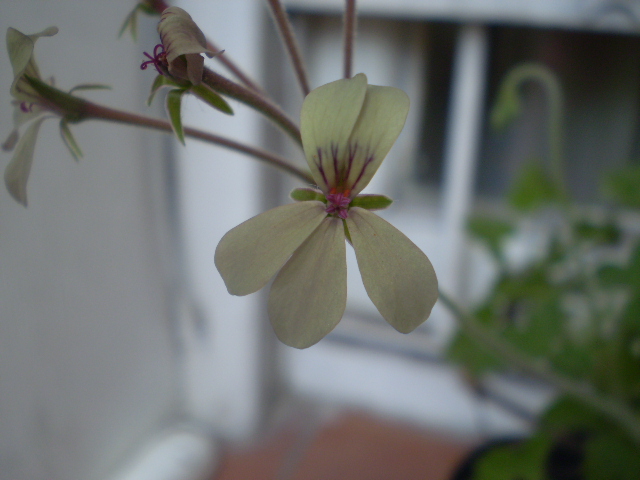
{"x":398,"y":277}
{"x":328,"y":116}
{"x":381,"y":120}
{"x":309,"y":295}
{"x":181,"y":36}
{"x":20,"y":48}
{"x":251,"y":253}
{"x":17,"y":172}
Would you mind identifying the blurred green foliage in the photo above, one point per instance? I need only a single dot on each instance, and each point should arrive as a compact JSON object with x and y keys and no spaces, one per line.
{"x":575,"y":307}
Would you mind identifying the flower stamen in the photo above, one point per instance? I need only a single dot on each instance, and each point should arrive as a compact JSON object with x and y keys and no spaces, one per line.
{"x":26,"y":107}
{"x":158,"y":60}
{"x":338,"y":203}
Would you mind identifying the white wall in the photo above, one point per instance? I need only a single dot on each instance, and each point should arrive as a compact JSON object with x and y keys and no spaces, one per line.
{"x":87,"y":362}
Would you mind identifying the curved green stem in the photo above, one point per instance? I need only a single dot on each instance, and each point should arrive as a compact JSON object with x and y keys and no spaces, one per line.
{"x":610,"y":407}
{"x":98,"y":112}
{"x":508,"y":105}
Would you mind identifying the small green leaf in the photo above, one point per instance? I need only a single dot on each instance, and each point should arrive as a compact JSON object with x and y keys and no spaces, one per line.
{"x":174,"y":104}
{"x":159,"y":82}
{"x":307,"y":194}
{"x":69,"y":141}
{"x":130,"y":23}
{"x":490,"y":231}
{"x":609,"y":456}
{"x":90,"y":86}
{"x":623,"y":186}
{"x":210,"y":97}
{"x":521,"y":461}
{"x":605,"y":234}
{"x":533,"y":188}
{"x":371,"y":202}
{"x":569,"y":414}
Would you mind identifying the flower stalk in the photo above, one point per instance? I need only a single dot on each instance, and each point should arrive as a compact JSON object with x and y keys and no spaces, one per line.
{"x":224,"y":86}
{"x":350,"y":23}
{"x":289,"y":39}
{"x":98,"y":112}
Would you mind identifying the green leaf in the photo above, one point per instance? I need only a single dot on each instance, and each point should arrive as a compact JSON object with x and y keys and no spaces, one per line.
{"x":69,"y":141}
{"x":162,"y":81}
{"x":174,"y":104}
{"x":210,"y":97}
{"x":543,"y":323}
{"x":605,"y":234}
{"x":521,"y":461}
{"x":371,"y":202}
{"x":623,"y":186}
{"x":476,"y":360}
{"x":90,"y":86}
{"x":307,"y":194}
{"x":567,"y":414}
{"x":533,"y":188}
{"x":130,"y":23}
{"x":610,"y":456}
{"x":491,"y":232}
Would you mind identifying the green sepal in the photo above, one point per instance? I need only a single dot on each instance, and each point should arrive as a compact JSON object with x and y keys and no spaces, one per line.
{"x":131,"y":22}
{"x":164,"y":81}
{"x":210,"y":97}
{"x":90,"y":86}
{"x":371,"y":202}
{"x":72,"y":106}
{"x":174,"y":103}
{"x":69,"y":140}
{"x":307,"y":194}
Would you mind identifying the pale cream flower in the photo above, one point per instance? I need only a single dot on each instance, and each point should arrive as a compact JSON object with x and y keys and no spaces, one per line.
{"x":348,"y":127}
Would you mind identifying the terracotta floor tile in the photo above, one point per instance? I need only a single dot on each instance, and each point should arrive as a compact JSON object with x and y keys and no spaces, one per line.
{"x":352,"y":446}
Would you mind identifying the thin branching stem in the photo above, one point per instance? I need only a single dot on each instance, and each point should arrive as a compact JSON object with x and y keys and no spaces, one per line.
{"x":226,"y":87}
{"x":98,"y":112}
{"x":235,"y":69}
{"x":288,"y":37}
{"x":350,"y":19}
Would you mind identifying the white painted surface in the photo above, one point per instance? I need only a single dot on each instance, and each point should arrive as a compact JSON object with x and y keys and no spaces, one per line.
{"x":87,"y":365}
{"x":218,"y":190}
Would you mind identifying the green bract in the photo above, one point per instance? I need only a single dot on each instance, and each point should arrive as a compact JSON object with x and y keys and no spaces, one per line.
{"x":347,"y":129}
{"x":183,"y":43}
{"x":34,"y":99}
{"x":27,"y":109}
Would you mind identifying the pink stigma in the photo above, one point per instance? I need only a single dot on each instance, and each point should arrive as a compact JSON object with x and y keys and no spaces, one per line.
{"x":26,"y":107}
{"x":158,"y":60}
{"x":338,"y":203}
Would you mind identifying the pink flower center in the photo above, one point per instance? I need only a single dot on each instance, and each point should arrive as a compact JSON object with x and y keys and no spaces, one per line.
{"x":158,"y":60}
{"x":338,"y":203}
